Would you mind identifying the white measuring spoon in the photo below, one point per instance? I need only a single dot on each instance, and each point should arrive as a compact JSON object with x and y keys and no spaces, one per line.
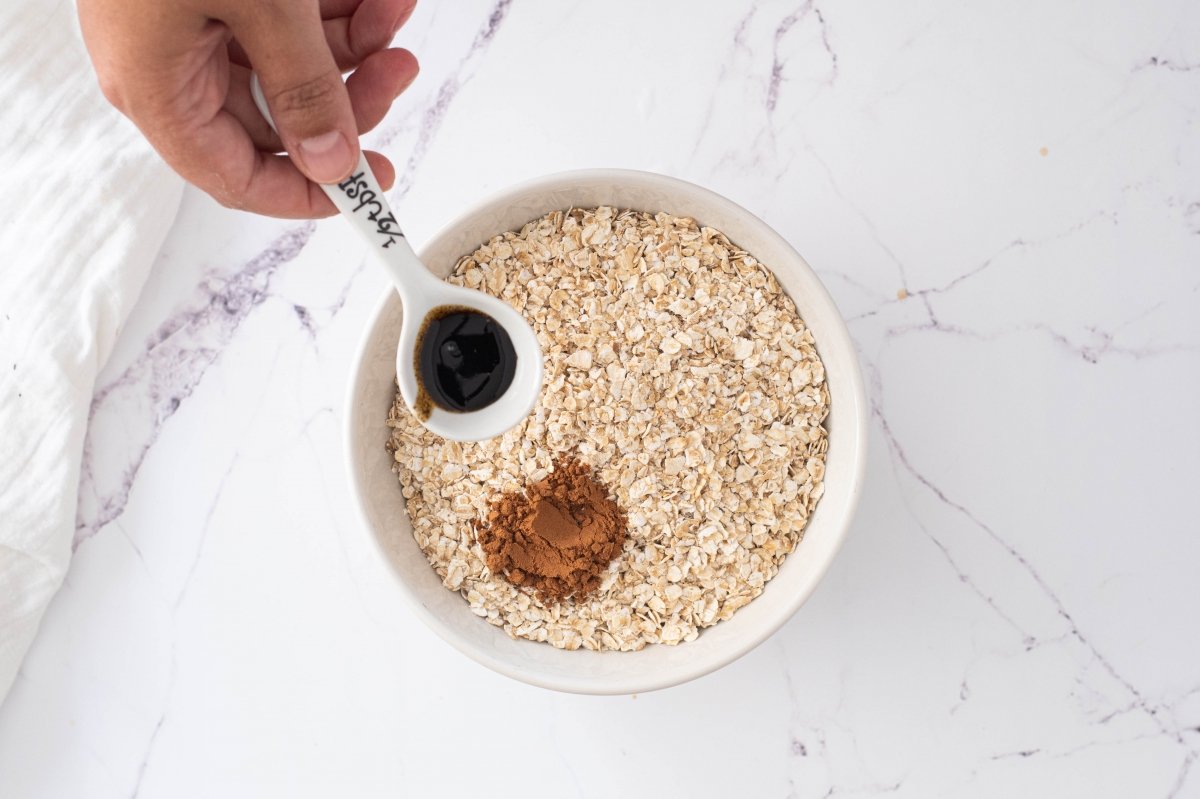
{"x":362,"y":202}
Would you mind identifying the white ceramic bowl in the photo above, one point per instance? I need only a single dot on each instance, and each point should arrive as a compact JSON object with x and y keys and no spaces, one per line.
{"x":382,"y":507}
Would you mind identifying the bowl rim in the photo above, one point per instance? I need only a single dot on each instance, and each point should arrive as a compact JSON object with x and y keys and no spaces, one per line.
{"x":852,"y":410}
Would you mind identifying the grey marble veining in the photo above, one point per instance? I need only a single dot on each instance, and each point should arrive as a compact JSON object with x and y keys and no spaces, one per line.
{"x":1004,"y":200}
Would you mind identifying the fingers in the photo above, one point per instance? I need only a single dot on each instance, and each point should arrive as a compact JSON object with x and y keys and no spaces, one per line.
{"x":377,"y":83}
{"x":372,"y":89}
{"x":353,"y":28}
{"x":373,"y":25}
{"x":239,"y":175}
{"x":171,"y":74}
{"x":303,"y":87}
{"x":278,"y":189}
{"x":240,"y":103}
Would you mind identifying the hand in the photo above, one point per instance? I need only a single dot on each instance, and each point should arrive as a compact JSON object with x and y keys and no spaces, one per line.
{"x":180,"y":69}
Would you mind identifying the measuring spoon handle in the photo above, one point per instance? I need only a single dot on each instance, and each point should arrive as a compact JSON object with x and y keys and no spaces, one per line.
{"x":362,"y":201}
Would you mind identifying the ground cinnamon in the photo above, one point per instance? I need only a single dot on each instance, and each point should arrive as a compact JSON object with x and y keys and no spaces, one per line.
{"x":557,"y":537}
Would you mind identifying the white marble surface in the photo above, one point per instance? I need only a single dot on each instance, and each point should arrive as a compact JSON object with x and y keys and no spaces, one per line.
{"x":1016,"y":610}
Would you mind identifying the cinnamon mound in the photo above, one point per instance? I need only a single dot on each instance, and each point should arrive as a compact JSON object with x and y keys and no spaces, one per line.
{"x":558,"y":537}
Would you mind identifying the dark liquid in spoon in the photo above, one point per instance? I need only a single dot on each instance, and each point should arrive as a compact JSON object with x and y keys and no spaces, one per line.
{"x":464,"y":359}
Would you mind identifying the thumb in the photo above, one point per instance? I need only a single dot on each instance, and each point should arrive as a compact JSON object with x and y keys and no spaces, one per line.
{"x":303,"y":87}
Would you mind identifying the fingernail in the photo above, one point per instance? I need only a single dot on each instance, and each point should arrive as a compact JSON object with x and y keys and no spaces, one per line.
{"x":328,"y":157}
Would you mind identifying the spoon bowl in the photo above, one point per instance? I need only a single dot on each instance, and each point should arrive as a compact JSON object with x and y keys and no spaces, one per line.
{"x":512,"y":406}
{"x":362,"y":202}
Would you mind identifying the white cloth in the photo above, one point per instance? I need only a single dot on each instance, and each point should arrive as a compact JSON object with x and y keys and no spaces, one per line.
{"x":84,"y":206}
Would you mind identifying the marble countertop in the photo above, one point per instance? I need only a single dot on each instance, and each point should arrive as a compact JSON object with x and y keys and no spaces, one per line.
{"x":1003,"y":198}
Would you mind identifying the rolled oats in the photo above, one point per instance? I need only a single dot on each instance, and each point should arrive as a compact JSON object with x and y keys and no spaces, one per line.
{"x":678,"y":369}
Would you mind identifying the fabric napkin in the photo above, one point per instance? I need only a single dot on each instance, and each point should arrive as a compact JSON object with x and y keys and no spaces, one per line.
{"x":84,"y":206}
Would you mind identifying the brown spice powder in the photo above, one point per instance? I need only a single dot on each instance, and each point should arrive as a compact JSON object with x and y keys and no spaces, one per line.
{"x":558,"y":537}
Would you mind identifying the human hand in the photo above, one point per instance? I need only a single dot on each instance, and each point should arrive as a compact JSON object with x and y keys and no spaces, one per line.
{"x":180,"y":70}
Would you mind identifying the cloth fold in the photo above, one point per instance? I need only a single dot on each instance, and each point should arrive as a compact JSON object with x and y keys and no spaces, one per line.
{"x":84,"y":206}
